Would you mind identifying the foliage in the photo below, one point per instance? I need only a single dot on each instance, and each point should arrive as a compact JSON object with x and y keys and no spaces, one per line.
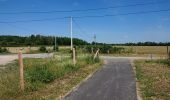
{"x":103,"y":48}
{"x":55,"y":48}
{"x":42,"y":49}
{"x":3,"y":50}
{"x":145,"y":44}
{"x":35,"y":40}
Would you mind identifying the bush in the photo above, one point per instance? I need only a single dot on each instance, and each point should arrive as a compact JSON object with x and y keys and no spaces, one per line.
{"x":3,"y":50}
{"x":104,"y":48}
{"x":42,"y":49}
{"x":56,"y":49}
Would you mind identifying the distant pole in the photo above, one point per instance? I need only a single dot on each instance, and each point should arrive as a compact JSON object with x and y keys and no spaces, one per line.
{"x":21,"y":69}
{"x":55,"y":44}
{"x":167,"y":51}
{"x":71,"y":33}
{"x":95,"y":39}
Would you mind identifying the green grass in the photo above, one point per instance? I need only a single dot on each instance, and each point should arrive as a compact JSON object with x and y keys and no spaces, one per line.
{"x":44,"y":77}
{"x":154,"y":79}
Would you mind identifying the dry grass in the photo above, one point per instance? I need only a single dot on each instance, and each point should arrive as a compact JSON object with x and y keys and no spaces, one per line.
{"x":32,"y":49}
{"x":147,"y":49}
{"x":154,"y":79}
{"x":158,"y":51}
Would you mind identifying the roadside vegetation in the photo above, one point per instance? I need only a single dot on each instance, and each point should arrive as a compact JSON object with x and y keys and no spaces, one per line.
{"x":154,"y":78}
{"x":3,"y":50}
{"x":47,"y":78}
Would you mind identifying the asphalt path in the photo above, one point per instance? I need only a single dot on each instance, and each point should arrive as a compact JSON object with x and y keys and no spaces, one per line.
{"x":115,"y":81}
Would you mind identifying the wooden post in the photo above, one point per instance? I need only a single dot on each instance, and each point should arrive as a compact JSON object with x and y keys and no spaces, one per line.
{"x":74,"y":56}
{"x":167,"y":51}
{"x":96,"y":55}
{"x":151,"y":56}
{"x":21,"y":70}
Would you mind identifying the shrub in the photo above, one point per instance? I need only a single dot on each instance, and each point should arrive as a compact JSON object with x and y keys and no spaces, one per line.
{"x":3,"y":50}
{"x":104,"y":48}
{"x":55,"y":48}
{"x":42,"y":49}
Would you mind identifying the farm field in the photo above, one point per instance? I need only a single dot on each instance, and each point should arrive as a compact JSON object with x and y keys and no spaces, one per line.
{"x":158,"y":51}
{"x":33,"y":49}
{"x":154,"y":79}
{"x":132,"y":50}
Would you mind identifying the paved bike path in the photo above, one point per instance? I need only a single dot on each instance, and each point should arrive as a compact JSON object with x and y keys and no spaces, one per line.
{"x":115,"y":81}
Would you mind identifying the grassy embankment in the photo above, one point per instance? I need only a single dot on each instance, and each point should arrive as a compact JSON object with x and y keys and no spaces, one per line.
{"x":45,"y":78}
{"x":154,"y":79}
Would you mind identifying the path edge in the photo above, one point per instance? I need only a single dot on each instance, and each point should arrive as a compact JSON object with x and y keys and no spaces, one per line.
{"x":138,"y":91}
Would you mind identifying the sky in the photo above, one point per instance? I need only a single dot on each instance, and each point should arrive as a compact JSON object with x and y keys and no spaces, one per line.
{"x":121,"y":28}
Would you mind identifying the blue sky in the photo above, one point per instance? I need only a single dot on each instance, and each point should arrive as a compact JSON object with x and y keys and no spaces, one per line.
{"x":115,"y":29}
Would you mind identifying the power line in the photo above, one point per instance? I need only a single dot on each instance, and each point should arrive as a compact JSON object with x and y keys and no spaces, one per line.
{"x":81,"y":30}
{"x":21,"y":28}
{"x":95,"y":16}
{"x":36,"y":20}
{"x":84,"y":10}
{"x":123,"y":14}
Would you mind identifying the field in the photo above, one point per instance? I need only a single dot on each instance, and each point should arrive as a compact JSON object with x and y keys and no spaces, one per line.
{"x":31,"y":49}
{"x":131,"y":50}
{"x":158,"y":51}
{"x":154,"y":79}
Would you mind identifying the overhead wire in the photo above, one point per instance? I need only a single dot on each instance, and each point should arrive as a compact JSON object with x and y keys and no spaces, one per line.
{"x":91,"y":16}
{"x":85,"y":10}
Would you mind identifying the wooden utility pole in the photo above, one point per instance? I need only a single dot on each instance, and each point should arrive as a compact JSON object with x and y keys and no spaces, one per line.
{"x":21,"y":69}
{"x":71,"y":31}
{"x":96,"y":55}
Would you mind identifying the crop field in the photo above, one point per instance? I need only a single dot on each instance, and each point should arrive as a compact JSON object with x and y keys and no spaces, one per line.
{"x":146,"y":50}
{"x":140,"y":50}
{"x":31,"y":49}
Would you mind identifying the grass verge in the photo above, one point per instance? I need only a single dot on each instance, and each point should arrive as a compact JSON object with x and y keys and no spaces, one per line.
{"x":45,"y":79}
{"x":154,"y":79}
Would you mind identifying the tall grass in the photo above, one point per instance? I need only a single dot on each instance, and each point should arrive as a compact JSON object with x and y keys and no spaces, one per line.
{"x":38,"y":73}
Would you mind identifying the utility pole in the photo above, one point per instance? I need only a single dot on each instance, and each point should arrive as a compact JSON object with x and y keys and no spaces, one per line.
{"x":71,"y":33}
{"x":55,"y":43}
{"x":95,"y":39}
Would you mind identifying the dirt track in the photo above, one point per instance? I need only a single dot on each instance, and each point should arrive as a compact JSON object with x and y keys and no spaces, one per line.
{"x":4,"y":59}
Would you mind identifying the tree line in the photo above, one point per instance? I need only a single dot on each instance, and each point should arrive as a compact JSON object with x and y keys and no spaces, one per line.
{"x":146,"y":44}
{"x":35,"y":40}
